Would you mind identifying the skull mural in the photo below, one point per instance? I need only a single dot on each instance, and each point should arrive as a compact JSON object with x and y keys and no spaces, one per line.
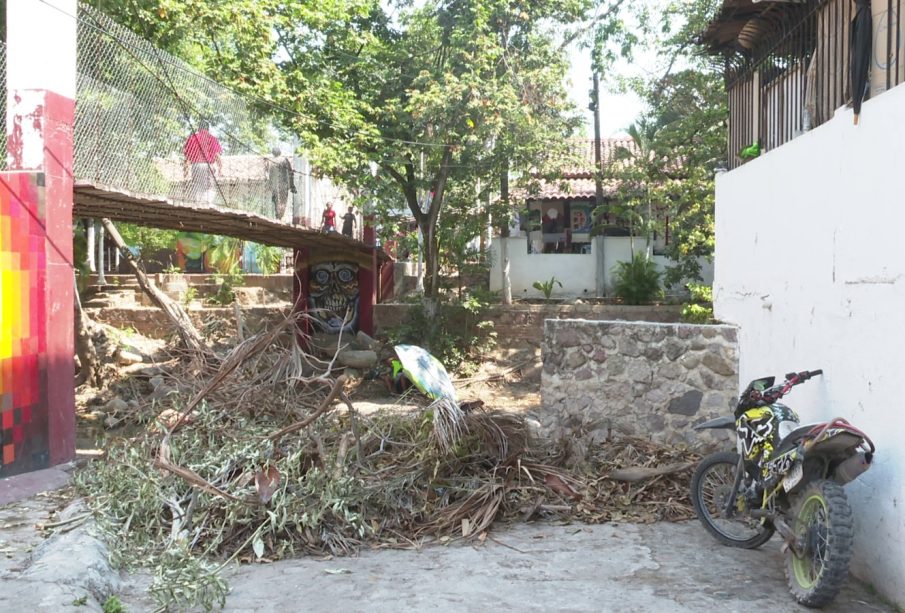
{"x":333,"y":295}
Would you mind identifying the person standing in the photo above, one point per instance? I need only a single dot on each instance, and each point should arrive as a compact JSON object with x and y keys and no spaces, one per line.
{"x":281,"y":180}
{"x":202,"y":152}
{"x":349,"y":222}
{"x":328,"y":219}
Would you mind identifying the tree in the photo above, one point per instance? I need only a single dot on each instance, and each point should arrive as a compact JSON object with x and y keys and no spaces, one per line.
{"x":436,"y":94}
{"x":442,"y":98}
{"x":684,"y":130}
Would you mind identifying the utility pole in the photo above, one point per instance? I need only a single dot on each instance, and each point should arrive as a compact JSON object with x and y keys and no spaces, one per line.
{"x":504,"y":234}
{"x":598,"y":186}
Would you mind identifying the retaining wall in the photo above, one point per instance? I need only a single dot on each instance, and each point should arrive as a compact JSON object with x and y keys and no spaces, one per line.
{"x":525,"y":322}
{"x":639,"y":378}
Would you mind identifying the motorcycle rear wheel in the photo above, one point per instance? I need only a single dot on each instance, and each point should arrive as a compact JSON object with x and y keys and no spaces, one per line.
{"x":822,"y":523}
{"x":710,"y":487}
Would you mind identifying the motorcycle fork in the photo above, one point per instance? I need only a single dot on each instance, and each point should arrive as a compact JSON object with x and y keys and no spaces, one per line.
{"x":729,"y":511}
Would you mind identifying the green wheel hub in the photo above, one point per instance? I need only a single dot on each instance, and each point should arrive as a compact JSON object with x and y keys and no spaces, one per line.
{"x":811,"y":531}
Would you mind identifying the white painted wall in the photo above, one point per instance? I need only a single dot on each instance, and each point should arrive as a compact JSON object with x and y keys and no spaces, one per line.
{"x":577,"y":273}
{"x":809,"y":264}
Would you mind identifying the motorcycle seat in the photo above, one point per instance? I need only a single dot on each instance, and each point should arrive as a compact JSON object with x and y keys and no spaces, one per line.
{"x":793,"y":438}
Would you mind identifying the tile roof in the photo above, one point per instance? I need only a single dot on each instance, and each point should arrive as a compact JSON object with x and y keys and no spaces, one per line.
{"x":577,"y":181}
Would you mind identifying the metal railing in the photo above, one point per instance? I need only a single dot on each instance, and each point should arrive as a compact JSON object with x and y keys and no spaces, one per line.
{"x":798,"y":75}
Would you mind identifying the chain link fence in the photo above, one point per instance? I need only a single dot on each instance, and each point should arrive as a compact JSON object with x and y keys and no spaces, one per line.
{"x":137,"y":107}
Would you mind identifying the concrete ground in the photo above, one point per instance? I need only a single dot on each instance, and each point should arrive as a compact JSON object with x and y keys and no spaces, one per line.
{"x":543,"y":567}
{"x":664,"y":567}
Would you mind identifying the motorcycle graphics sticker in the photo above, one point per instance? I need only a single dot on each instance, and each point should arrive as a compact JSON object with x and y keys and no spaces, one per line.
{"x":758,"y":432}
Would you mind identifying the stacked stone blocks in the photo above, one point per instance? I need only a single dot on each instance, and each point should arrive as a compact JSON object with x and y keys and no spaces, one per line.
{"x":639,"y":378}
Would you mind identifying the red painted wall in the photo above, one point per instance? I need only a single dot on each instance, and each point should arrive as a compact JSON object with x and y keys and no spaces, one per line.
{"x":37,"y":398}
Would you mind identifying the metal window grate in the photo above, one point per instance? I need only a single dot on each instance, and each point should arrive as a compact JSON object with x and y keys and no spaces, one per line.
{"x":798,"y":73}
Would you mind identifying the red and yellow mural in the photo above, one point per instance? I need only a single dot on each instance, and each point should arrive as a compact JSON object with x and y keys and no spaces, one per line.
{"x":23,"y":339}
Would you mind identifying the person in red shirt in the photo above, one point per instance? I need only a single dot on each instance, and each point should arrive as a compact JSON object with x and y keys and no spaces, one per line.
{"x":328,"y":219}
{"x":202,"y":152}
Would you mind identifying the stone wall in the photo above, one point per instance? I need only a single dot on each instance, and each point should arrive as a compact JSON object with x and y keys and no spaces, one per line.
{"x":153,"y":323}
{"x":646,"y":379}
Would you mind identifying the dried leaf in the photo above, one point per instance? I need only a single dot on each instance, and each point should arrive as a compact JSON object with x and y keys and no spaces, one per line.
{"x":267,"y":482}
{"x":258,"y":546}
{"x":561,"y":487}
{"x":337,"y":571}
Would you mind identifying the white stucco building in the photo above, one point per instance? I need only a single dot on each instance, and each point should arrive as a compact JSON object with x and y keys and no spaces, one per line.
{"x":559,"y":234}
{"x":809,"y":266}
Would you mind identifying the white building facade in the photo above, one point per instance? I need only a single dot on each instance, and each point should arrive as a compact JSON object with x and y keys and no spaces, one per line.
{"x":808,"y":265}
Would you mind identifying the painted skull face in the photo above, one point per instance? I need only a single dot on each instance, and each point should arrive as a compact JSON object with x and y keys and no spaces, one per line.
{"x":333,"y":295}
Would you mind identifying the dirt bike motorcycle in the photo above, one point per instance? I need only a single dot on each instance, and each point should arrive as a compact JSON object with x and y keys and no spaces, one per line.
{"x":784,"y":477}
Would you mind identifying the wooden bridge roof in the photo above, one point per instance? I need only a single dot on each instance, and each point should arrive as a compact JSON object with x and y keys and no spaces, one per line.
{"x":96,"y":201}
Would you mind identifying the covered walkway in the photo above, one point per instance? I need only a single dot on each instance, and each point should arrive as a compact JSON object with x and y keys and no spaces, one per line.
{"x":96,"y":201}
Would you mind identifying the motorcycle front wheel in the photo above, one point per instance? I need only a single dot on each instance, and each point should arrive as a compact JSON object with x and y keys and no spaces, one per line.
{"x":822,"y":524}
{"x":711,"y":486}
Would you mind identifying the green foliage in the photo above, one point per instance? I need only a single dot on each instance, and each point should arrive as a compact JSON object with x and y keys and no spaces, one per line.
{"x":680,"y":139}
{"x":224,"y":254}
{"x":268,"y":258}
{"x":700,"y":292}
{"x":637,"y":281}
{"x":439,"y":97}
{"x":113,"y":605}
{"x":546,"y":287}
{"x":227,"y":282}
{"x":700,"y":308}
{"x":147,"y":239}
{"x":185,"y":580}
{"x":190,"y":294}
{"x":697,"y":314}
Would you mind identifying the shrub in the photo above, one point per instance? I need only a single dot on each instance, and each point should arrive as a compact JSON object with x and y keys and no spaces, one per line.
{"x":637,"y":281}
{"x":458,"y":336}
{"x":699,"y":310}
{"x":697,"y":314}
{"x":546,"y":287}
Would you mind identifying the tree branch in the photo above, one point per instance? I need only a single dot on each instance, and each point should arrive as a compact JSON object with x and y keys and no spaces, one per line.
{"x":570,"y":38}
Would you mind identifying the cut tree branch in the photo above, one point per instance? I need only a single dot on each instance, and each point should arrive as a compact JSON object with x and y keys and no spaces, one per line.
{"x":177,"y":315}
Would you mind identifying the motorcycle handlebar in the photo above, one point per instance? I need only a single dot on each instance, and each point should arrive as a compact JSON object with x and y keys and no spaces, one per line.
{"x":797,"y":377}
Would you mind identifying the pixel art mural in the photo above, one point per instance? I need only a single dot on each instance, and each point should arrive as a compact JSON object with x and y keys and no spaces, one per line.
{"x":24,"y":444}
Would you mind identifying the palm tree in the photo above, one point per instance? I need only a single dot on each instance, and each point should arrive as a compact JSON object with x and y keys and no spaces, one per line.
{"x":639,"y":168}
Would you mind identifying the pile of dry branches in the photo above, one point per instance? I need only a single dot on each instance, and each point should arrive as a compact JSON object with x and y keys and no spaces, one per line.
{"x":263,"y":456}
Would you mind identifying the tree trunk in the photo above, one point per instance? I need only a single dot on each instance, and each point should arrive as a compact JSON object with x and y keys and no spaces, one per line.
{"x":504,"y":262}
{"x":504,"y":235}
{"x":649,"y":225}
{"x":177,"y":315}
{"x":84,"y":347}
